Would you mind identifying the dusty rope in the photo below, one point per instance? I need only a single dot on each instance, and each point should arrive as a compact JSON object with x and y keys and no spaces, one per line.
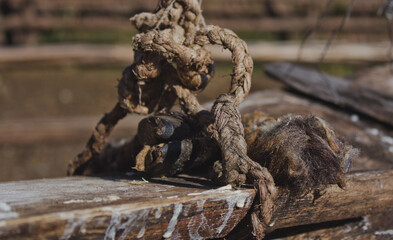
{"x":171,"y":63}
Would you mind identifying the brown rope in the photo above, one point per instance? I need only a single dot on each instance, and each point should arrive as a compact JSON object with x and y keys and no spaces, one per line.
{"x":171,"y":63}
{"x":97,"y":140}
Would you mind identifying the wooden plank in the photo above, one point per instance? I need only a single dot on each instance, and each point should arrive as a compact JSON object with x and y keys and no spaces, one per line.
{"x":182,"y":208}
{"x":335,"y":90}
{"x":86,"y":208}
{"x":266,"y":24}
{"x":227,"y":8}
{"x":294,"y":24}
{"x":60,"y":54}
{"x":260,"y":51}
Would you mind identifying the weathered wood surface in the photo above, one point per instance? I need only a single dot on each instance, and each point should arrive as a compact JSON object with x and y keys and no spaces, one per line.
{"x":361,"y":98}
{"x":121,"y":208}
{"x":260,"y":51}
{"x":176,"y":208}
{"x":363,"y":189}
{"x":374,"y":227}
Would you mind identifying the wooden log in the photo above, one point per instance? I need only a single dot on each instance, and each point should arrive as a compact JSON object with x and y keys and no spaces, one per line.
{"x":336,"y":204}
{"x":121,"y":208}
{"x":335,"y":90}
{"x":180,"y":208}
{"x":375,"y":227}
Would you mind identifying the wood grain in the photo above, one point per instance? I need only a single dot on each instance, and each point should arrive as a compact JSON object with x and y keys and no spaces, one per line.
{"x":179,"y":208}
{"x":121,"y":208}
{"x":357,"y":200}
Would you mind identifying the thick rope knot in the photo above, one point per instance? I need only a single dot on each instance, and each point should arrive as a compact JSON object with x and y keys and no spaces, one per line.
{"x":171,"y":63}
{"x":193,"y":64}
{"x":241,"y":59}
{"x":184,"y":13}
{"x":229,"y":134}
{"x":236,"y":167}
{"x":136,"y":95}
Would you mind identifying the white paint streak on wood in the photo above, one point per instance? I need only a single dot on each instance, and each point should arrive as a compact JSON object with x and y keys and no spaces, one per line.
{"x":131,"y":219}
{"x":72,"y":224}
{"x":365,"y":224}
{"x":186,"y":209}
{"x":110,"y":198}
{"x":387,"y":232}
{"x":143,"y":218}
{"x":195,"y":194}
{"x":200,"y":220}
{"x":387,"y":139}
{"x":241,"y":203}
{"x":200,"y":205}
{"x":158,"y":213}
{"x":8,"y":215}
{"x":5,"y":211}
{"x":355,"y":118}
{"x":141,"y":232}
{"x":223,"y":189}
{"x":272,"y":223}
{"x":231,"y":202}
{"x":116,"y":222}
{"x":4,"y":207}
{"x":373,"y":131}
{"x":172,"y":197}
{"x":172,"y":223}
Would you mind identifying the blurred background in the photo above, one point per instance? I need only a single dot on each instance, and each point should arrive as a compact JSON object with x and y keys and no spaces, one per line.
{"x":60,"y":62}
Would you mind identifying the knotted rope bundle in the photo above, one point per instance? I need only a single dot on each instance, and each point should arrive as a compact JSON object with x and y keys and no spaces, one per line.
{"x":171,"y":64}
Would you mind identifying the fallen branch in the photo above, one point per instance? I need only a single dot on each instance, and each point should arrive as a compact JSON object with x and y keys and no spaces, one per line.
{"x":335,"y":90}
